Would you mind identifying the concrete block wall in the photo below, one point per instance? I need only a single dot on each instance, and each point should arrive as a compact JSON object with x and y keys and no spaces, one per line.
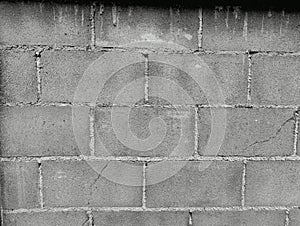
{"x":45,"y":47}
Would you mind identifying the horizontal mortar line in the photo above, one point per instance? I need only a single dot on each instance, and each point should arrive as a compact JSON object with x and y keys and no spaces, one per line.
{"x":134,"y":49}
{"x":149,"y":209}
{"x":149,"y":159}
{"x":89,"y":104}
{"x":44,"y":47}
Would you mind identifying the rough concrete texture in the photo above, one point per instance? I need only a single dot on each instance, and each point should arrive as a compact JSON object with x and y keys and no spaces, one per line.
{"x":273,"y":183}
{"x":19,"y":185}
{"x":115,"y":25}
{"x":46,"y":23}
{"x":18,"y":81}
{"x":125,"y":86}
{"x":42,"y":131}
{"x":250,"y":132}
{"x":61,"y":73}
{"x":217,"y":185}
{"x":126,"y":218}
{"x":73,"y":183}
{"x":275,"y":80}
{"x":46,"y":219}
{"x":160,"y":129}
{"x":230,"y":73}
{"x":245,"y":218}
{"x":234,"y":28}
{"x":294,"y":217}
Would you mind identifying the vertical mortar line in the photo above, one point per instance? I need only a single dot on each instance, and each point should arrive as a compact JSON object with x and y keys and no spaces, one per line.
{"x":287,"y":218}
{"x":146,"y":74}
{"x":92,"y":21}
{"x":190,"y":219}
{"x":144,"y":186}
{"x":296,"y":132}
{"x":92,"y":130}
{"x":41,"y":188}
{"x":38,"y":73}
{"x":196,"y":138}
{"x":90,"y":217}
{"x":200,"y":30}
{"x":1,"y":213}
{"x":249,"y":78}
{"x":243,"y":183}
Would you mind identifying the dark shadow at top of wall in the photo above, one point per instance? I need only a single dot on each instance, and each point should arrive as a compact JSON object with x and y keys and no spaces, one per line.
{"x":290,"y":5}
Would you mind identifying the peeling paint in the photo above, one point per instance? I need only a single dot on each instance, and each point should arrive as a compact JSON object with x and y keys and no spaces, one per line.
{"x":82,"y":17}
{"x":75,"y":13}
{"x":101,"y":9}
{"x":270,"y":13}
{"x":130,"y":11}
{"x":60,"y":15}
{"x":54,"y":14}
{"x":245,"y":28}
{"x":114,"y":15}
{"x":227,"y":17}
{"x":171,"y":21}
{"x":236,"y":12}
{"x":216,"y":19}
{"x":41,"y":7}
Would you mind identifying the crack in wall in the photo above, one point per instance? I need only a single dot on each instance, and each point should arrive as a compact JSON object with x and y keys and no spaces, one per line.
{"x":271,"y":137}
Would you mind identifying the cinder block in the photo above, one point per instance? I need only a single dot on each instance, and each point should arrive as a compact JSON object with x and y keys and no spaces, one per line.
{"x":245,"y":218}
{"x":18,"y":77}
{"x":197,"y":184}
{"x":272,"y":183}
{"x":230,"y":76}
{"x":120,"y":25}
{"x":46,"y":219}
{"x":234,"y":28}
{"x":19,"y":185}
{"x":294,"y":217}
{"x":42,"y":131}
{"x":249,"y":132}
{"x":125,"y":87}
{"x":126,"y":218}
{"x":144,"y":131}
{"x":61,"y":73}
{"x":76,"y":183}
{"x":46,"y":23}
{"x":275,"y":80}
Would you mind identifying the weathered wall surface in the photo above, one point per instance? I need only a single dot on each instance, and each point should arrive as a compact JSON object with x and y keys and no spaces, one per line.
{"x":254,"y":179}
